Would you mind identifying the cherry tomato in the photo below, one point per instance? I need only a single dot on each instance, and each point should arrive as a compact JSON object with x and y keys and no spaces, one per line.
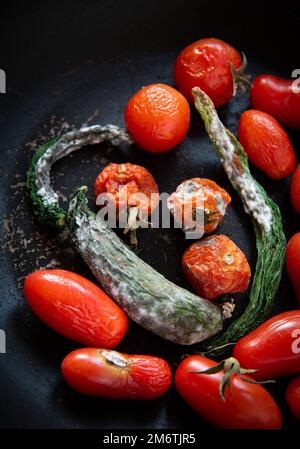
{"x":247,"y":406}
{"x":75,"y":308}
{"x":157,"y":117}
{"x":277,"y":97}
{"x":295,"y":190}
{"x":207,"y":64}
{"x":128,"y":185}
{"x":292,"y":397}
{"x":110,"y":374}
{"x":199,"y":201}
{"x":273,"y":348}
{"x":266,"y":144}
{"x":216,"y":266}
{"x":292,"y":262}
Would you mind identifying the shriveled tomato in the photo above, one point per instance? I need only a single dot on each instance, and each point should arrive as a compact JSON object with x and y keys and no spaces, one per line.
{"x":110,"y":374}
{"x":292,"y":262}
{"x":207,"y":63}
{"x":216,"y":266}
{"x":295,"y":190}
{"x":267,"y":144}
{"x":278,"y":97}
{"x":199,"y":203}
{"x":75,"y":308}
{"x":157,"y":117}
{"x":273,"y":348}
{"x":246,"y":406}
{"x":128,"y":185}
{"x":292,"y":397}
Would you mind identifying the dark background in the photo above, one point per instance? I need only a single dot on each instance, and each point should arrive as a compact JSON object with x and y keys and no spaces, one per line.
{"x":69,"y":63}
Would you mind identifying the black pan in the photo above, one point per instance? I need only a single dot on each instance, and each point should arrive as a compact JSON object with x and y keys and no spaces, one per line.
{"x":69,"y":63}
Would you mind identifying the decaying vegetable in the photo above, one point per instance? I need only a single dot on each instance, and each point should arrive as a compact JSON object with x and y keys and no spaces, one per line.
{"x":266,"y":218}
{"x":215,"y":266}
{"x":198,"y":205}
{"x":149,"y":299}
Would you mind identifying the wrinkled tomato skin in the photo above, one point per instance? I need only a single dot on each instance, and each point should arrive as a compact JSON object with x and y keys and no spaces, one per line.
{"x":206,"y":64}
{"x":273,"y":348}
{"x":206,"y":195}
{"x":75,"y":308}
{"x":91,"y":371}
{"x":266,"y":144}
{"x":135,"y":178}
{"x":275,"y":96}
{"x":295,"y":190}
{"x":292,"y":262}
{"x":216,"y":266}
{"x":157,"y":117}
{"x":249,"y":406}
{"x":292,"y":397}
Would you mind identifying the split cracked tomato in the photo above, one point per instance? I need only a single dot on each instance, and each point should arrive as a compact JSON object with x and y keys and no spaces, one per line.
{"x":267,"y":144}
{"x":75,"y":308}
{"x":208,"y":64}
{"x":110,"y":374}
{"x":246,"y":406}
{"x":216,"y":266}
{"x":157,"y":117}
{"x":278,"y":97}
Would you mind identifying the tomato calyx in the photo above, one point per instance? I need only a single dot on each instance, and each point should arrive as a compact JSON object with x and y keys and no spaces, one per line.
{"x":238,"y":75}
{"x":230,"y":366}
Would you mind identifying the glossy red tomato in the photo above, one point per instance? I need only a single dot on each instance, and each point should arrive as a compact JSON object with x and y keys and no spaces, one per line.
{"x":248,"y":406}
{"x":292,"y":262}
{"x":157,"y":117}
{"x":295,"y":190}
{"x":216,"y":266}
{"x":110,"y":374}
{"x":292,"y":397}
{"x":207,"y":64}
{"x":277,"y":97}
{"x":75,"y":308}
{"x":266,"y":144}
{"x":273,"y":348}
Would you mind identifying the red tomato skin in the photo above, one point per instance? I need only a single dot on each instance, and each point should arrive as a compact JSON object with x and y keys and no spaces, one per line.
{"x":295,"y":190}
{"x":75,"y":308}
{"x":267,"y":144}
{"x":292,"y":397}
{"x":249,"y":406}
{"x":206,"y":64}
{"x":292,"y":262}
{"x":275,"y":96}
{"x":204,"y":265}
{"x":272,"y":347}
{"x":157,"y":117}
{"x":144,"y":377}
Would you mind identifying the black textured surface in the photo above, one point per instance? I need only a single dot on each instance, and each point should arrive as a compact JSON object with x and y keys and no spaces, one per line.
{"x":70,"y":63}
